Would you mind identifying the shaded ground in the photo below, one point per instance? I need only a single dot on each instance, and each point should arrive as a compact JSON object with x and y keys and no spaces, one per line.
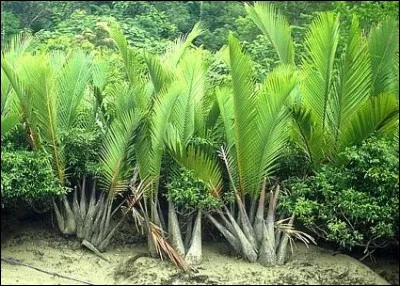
{"x":43,"y":247}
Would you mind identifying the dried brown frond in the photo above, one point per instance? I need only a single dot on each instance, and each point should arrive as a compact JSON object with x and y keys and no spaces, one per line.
{"x":288,"y":229}
{"x":162,"y":245}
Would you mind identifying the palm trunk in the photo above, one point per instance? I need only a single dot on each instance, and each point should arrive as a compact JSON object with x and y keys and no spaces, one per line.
{"x":283,"y":245}
{"x":194,"y":254}
{"x":246,"y":225}
{"x":77,"y":213}
{"x":233,"y":241}
{"x":259,"y":219}
{"x":59,"y":217}
{"x":156,"y":220}
{"x":70,"y":225}
{"x":253,"y":210}
{"x":188,"y":234}
{"x":174,"y":232}
{"x":267,"y":252}
{"x":247,"y":249}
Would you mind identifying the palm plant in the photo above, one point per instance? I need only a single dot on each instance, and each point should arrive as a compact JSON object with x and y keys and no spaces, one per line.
{"x":188,"y":120}
{"x":343,"y":100}
{"x":10,"y":115}
{"x":256,"y":122}
{"x":9,"y":112}
{"x":173,"y":84}
{"x":52,"y":90}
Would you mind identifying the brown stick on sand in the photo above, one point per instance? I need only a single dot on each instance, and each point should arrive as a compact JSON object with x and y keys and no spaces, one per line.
{"x":18,"y":262}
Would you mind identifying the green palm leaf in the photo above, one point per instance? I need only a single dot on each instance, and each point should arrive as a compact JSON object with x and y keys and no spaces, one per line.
{"x":177,"y":49}
{"x":354,"y":80}
{"x":275,"y":27}
{"x":72,"y":85}
{"x":160,"y":74}
{"x":308,"y":134}
{"x":380,"y":114}
{"x":318,"y":66}
{"x":41,"y":81}
{"x":204,"y":166}
{"x":244,"y":110}
{"x":273,"y":119}
{"x":130,"y":56}
{"x":383,"y":46}
{"x":117,"y":153}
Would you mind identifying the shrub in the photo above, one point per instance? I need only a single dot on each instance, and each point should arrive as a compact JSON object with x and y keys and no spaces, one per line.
{"x":355,"y":204}
{"x":188,"y":192}
{"x":27,"y":176}
{"x":81,"y":152}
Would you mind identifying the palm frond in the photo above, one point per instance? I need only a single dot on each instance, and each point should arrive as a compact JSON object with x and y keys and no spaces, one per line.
{"x":383,"y":46}
{"x":378,"y":114}
{"x":41,"y":81}
{"x":244,"y":110}
{"x":8,"y":122}
{"x":17,"y":46}
{"x":354,"y":80}
{"x":225,"y":103}
{"x":273,"y":119}
{"x":160,"y":116}
{"x":160,"y":74}
{"x":275,"y":27}
{"x":9,"y":111}
{"x":318,"y":65}
{"x":204,"y":166}
{"x":72,"y":84}
{"x":188,"y":112}
{"x":100,"y":73}
{"x":117,"y":153}
{"x":15,"y":75}
{"x":308,"y":134}
{"x":130,"y":56}
{"x":121,"y":93}
{"x":178,"y":48}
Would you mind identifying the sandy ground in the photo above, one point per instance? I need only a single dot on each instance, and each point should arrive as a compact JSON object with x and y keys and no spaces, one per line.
{"x":46,"y":249}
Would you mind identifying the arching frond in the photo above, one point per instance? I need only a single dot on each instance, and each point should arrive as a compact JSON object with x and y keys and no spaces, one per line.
{"x":188,"y":112}
{"x":383,"y":45}
{"x":380,"y":114}
{"x":9,"y":111}
{"x":17,"y":46}
{"x":318,"y":65}
{"x":354,"y":79}
{"x":131,"y":57}
{"x":204,"y":166}
{"x":40,"y":80}
{"x":308,"y":134}
{"x":275,"y":27}
{"x":160,"y":74}
{"x":117,"y":151}
{"x":273,"y":119}
{"x":177,"y":48}
{"x":72,"y":84}
{"x":244,"y":110}
{"x":151,"y":146}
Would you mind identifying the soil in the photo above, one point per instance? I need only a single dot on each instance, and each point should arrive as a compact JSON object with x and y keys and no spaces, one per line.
{"x":40,"y":245}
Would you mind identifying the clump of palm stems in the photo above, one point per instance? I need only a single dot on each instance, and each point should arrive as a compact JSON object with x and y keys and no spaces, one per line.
{"x":192,"y":248}
{"x":154,"y":232}
{"x":252,"y":234}
{"x":89,"y":220}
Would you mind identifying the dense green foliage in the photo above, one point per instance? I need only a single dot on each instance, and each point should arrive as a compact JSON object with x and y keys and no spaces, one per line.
{"x":27,"y":176}
{"x":188,"y":192}
{"x":355,"y":204}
